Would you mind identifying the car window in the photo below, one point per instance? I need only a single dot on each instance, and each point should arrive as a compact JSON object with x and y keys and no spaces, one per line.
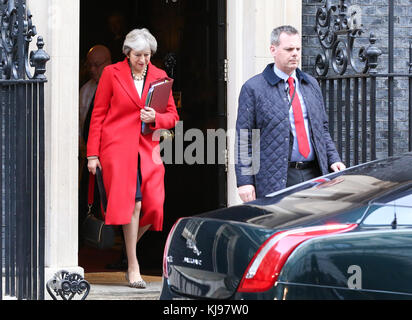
{"x":385,"y":215}
{"x":384,"y":209}
{"x":400,"y":197}
{"x":404,"y":201}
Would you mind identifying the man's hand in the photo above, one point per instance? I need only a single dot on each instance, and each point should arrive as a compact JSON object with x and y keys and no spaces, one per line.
{"x":247,"y":193}
{"x":338,"y":166}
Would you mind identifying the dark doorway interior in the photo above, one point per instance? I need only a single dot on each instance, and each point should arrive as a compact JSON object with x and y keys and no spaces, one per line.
{"x":188,"y":30}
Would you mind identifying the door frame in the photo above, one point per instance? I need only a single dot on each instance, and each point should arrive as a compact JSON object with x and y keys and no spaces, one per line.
{"x":222,"y":97}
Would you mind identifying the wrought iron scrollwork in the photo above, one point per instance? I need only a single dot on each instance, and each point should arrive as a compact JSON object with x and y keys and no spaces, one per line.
{"x":11,"y":45}
{"x":67,"y":285}
{"x":337,"y":27}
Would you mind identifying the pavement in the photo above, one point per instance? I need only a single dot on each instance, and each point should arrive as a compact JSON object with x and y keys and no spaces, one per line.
{"x":113,"y":286}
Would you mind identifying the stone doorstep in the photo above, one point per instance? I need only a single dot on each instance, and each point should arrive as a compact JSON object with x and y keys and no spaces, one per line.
{"x":113,"y":286}
{"x":123,"y":292}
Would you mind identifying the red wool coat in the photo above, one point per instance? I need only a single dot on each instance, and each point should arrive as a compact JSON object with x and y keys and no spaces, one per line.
{"x":115,"y":136}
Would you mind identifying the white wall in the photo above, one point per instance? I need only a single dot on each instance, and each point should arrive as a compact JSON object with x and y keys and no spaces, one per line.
{"x":58,"y":22}
{"x":250,"y":23}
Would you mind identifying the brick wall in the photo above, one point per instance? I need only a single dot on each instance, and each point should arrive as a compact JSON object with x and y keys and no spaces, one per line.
{"x":375,"y":18}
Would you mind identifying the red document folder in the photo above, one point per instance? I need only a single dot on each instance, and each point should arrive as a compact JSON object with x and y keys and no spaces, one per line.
{"x":157,"y":98}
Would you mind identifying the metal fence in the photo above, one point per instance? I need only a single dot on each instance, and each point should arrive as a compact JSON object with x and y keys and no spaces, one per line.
{"x":22,"y":152}
{"x":357,"y":97}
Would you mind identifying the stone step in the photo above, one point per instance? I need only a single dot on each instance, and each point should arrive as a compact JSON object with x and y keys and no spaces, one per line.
{"x":113,"y":286}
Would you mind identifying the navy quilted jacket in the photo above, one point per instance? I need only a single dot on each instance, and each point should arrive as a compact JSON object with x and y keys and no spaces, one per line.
{"x":263,"y":105}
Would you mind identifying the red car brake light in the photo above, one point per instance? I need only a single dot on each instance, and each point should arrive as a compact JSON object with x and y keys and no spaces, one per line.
{"x":264,"y":269}
{"x":166,"y":249}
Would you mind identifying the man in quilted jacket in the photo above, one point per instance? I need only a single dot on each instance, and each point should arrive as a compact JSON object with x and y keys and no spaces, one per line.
{"x":282,"y":129}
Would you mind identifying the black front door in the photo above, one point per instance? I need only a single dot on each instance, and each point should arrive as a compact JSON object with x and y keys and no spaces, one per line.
{"x":191,"y":39}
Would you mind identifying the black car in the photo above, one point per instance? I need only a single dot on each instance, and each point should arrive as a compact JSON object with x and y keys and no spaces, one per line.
{"x":346,"y":235}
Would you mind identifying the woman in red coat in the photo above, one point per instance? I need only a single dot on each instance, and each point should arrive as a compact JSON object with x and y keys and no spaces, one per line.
{"x":133,"y":172}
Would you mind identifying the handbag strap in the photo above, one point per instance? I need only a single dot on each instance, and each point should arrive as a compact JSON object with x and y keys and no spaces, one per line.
{"x":100,"y":186}
{"x":90,"y":194}
{"x":90,"y":197}
{"x":102,"y":192}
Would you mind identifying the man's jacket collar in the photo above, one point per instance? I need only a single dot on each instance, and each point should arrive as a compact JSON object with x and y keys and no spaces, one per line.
{"x":273,"y":79}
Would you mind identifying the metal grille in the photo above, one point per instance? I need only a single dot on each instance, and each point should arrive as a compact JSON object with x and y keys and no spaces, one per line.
{"x":357,"y":97}
{"x":22,"y":152}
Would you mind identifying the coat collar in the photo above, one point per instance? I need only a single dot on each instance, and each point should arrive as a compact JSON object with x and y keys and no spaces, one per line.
{"x":271,"y":77}
{"x":126,"y":81}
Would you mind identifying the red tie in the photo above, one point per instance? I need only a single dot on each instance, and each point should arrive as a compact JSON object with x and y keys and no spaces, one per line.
{"x":301,"y":135}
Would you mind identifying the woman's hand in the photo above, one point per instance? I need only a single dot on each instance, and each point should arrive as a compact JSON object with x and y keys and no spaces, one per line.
{"x":148,"y":115}
{"x":92,"y":164}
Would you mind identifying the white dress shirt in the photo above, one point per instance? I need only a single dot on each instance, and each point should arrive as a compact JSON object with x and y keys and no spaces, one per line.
{"x":139,"y":87}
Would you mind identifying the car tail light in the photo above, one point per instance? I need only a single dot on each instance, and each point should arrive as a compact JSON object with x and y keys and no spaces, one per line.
{"x":268,"y":261}
{"x":166,"y":250}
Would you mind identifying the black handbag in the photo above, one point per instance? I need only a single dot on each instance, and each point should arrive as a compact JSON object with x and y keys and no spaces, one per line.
{"x":94,"y":231}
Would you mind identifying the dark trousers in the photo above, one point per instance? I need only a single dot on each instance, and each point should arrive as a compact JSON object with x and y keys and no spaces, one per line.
{"x":296,"y":176}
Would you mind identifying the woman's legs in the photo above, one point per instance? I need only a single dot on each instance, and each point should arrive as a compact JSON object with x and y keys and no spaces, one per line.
{"x":142,"y":231}
{"x":132,"y":234}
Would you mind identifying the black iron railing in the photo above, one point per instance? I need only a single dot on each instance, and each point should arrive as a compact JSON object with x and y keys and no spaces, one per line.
{"x":361,"y":102}
{"x":22,"y":205}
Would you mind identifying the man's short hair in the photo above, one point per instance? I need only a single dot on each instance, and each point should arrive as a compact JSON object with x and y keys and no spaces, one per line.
{"x":274,"y":37}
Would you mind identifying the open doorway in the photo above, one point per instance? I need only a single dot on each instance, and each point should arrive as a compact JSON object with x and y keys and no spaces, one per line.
{"x":191,"y":33}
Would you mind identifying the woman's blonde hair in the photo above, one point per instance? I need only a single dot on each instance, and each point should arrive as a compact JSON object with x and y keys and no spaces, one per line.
{"x":138,"y":40}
